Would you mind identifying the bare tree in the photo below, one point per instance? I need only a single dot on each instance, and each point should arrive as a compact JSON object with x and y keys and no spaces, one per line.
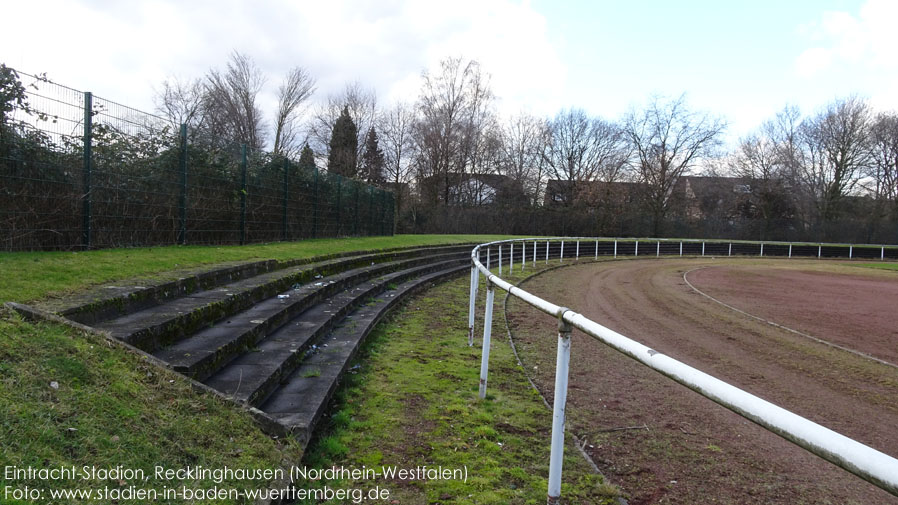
{"x":454,"y":106}
{"x":396,"y":127}
{"x":230,"y":102}
{"x":522,"y":141}
{"x":296,"y":89}
{"x":884,"y":152}
{"x":181,"y":102}
{"x":668,"y":139}
{"x":583,"y":149}
{"x":835,"y":153}
{"x":760,"y":162}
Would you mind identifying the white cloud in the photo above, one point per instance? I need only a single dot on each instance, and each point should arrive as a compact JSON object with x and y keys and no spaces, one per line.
{"x":120,"y":50}
{"x":868,"y":39}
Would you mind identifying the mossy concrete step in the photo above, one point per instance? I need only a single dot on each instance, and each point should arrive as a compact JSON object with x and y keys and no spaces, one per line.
{"x":154,"y":327}
{"x":251,"y":377}
{"x":204,"y":352}
{"x":298,"y":404}
{"x":111,"y":301}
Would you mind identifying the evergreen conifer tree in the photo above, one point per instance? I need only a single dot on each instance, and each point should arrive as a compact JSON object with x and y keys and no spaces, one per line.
{"x":373,"y":160}
{"x":343,"y":157}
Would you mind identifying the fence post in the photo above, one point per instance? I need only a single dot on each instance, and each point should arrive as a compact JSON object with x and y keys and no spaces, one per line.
{"x":658,"y":249}
{"x":615,"y":248}
{"x":597,"y":249}
{"x":703,"y":248}
{"x":556,"y":457}
{"x":243,"y":164}
{"x":500,"y":260}
{"x":636,"y":249}
{"x":850,"y":251}
{"x":286,"y":198}
{"x":88,"y":155}
{"x":523,"y":255}
{"x":182,"y":198}
{"x":577,"y":255}
{"x":472,"y":303}
{"x":339,"y":205}
{"x":487,"y":258}
{"x":790,"y":250}
{"x":487,"y":331}
{"x":511,"y":258}
{"x":547,"y":252}
{"x":355,"y":221}
{"x":730,"y":250}
{"x":370,"y":210}
{"x":819,"y":250}
{"x":681,"y":248}
{"x":315,"y":204}
{"x":561,"y":256}
{"x":534,"y":254}
{"x":882,"y":253}
{"x":762,"y":249}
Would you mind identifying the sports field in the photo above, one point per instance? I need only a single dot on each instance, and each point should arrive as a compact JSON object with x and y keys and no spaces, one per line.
{"x":819,"y":338}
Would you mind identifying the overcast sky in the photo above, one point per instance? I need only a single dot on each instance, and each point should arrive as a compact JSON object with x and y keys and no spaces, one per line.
{"x":743,"y":60}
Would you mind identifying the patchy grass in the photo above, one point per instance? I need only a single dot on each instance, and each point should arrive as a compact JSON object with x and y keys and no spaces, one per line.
{"x":880,"y":266}
{"x":28,"y":276}
{"x":70,"y":398}
{"x":414,"y":402}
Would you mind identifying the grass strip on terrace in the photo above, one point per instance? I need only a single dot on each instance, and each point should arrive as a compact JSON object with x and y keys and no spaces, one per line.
{"x":28,"y":276}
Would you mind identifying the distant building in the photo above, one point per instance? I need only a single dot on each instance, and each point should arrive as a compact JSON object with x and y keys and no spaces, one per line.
{"x":474,"y":189}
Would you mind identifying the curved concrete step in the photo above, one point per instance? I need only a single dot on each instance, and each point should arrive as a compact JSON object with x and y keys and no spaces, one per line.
{"x":298,"y":403}
{"x":154,"y":327}
{"x":252,"y":376}
{"x":204,"y":352}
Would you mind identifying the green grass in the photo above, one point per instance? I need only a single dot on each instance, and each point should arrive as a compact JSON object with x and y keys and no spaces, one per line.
{"x":70,"y":398}
{"x":881,"y":266}
{"x":28,"y":276}
{"x":414,"y":401}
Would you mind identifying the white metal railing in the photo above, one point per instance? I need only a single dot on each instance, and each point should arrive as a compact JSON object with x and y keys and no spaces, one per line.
{"x":876,"y":467}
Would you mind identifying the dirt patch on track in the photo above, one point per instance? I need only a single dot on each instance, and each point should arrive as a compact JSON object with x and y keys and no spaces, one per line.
{"x":852,"y":310}
{"x":676,"y":446}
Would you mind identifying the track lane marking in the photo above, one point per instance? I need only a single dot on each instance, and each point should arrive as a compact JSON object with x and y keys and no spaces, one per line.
{"x":780,"y":326}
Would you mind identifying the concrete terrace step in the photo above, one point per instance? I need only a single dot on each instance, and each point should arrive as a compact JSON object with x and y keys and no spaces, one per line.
{"x":158,"y":325}
{"x":204,"y":352}
{"x":298,"y":403}
{"x":252,"y":376}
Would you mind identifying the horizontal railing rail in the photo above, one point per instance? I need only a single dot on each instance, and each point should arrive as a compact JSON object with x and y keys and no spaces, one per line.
{"x":867,"y":463}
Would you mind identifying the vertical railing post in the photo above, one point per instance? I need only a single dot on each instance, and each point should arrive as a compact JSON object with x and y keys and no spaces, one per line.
{"x":636,"y":249}
{"x":182,"y":197}
{"x":597,"y":249}
{"x":500,"y":260}
{"x":658,"y":249}
{"x":523,"y":255}
{"x":790,"y":250}
{"x":577,"y":255}
{"x":561,"y":256}
{"x":819,"y":251}
{"x":472,"y":306}
{"x":703,"y":248}
{"x":547,"y":252}
{"x":88,"y":162}
{"x":850,"y":251}
{"x":762,"y":249}
{"x":681,"y":248}
{"x":556,"y":457}
{"x":730,"y":250}
{"x":243,"y":166}
{"x":284,"y":234}
{"x":615,"y":248}
{"x":487,"y":331}
{"x":534,"y":254}
{"x":511,"y":258}
{"x":882,"y":253}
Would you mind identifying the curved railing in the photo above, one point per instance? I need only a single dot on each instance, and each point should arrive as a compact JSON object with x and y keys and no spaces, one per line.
{"x":855,"y":457}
